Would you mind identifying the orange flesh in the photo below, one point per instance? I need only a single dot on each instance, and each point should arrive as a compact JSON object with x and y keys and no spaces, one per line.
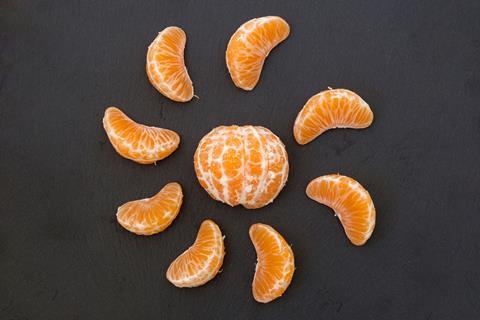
{"x":334,"y":108}
{"x":244,"y":165}
{"x":350,"y":201}
{"x":166,"y":66}
{"x":275,"y":266}
{"x":201,"y":262}
{"x":137,"y":142}
{"x":152,"y":215}
{"x":250,"y":45}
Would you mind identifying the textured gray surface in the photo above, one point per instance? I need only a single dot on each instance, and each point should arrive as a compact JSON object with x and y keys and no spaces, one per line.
{"x":62,"y":254}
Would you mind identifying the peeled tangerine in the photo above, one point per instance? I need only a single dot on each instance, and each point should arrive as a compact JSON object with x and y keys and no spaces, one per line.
{"x":166,"y":65}
{"x":152,"y":215}
{"x":202,"y":261}
{"x":350,"y":201}
{"x":333,"y":108}
{"x":138,"y":142}
{"x":275,"y":265}
{"x":250,"y":45}
{"x":243,"y":165}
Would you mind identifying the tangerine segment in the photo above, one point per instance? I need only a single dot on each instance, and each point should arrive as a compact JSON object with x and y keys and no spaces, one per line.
{"x":152,"y":215}
{"x":138,"y":142}
{"x":166,"y":65}
{"x":275,"y":266}
{"x":250,"y":45}
{"x":201,"y":262}
{"x":350,"y":201}
{"x":246,"y":165}
{"x":333,"y":108}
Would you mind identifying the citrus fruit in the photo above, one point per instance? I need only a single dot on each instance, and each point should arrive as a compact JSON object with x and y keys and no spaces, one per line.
{"x":275,"y":263}
{"x":245,"y":165}
{"x":201,"y":262}
{"x":350,"y":201}
{"x":138,"y":142}
{"x":166,"y":66}
{"x":250,"y":45}
{"x":152,"y":215}
{"x":333,"y":108}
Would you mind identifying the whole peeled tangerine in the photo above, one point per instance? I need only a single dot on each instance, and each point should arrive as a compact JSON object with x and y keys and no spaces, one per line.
{"x":245,"y":165}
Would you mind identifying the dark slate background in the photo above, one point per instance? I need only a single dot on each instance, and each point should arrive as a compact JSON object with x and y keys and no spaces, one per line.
{"x":417,"y":63}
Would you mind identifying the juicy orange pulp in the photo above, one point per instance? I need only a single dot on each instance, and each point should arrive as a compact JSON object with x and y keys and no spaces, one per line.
{"x":244,"y":165}
{"x":152,"y":215}
{"x":350,"y":201}
{"x":202,"y":261}
{"x":166,"y":65}
{"x":275,"y":266}
{"x":250,"y":45}
{"x":333,"y":108}
{"x":138,"y":142}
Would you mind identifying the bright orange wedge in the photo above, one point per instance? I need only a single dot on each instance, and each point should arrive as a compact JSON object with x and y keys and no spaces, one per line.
{"x":138,"y":142}
{"x":242,"y":165}
{"x":152,"y":215}
{"x":275,"y":265}
{"x":350,"y":201}
{"x":333,"y":108}
{"x":166,"y":66}
{"x":250,"y":45}
{"x":201,"y":262}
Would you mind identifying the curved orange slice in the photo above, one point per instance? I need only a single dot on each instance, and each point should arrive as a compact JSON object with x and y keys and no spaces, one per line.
{"x":152,"y":215}
{"x":250,"y":45}
{"x":333,"y":108}
{"x":138,"y":142}
{"x":275,"y":263}
{"x":201,"y":262}
{"x":350,"y":201}
{"x":166,"y":66}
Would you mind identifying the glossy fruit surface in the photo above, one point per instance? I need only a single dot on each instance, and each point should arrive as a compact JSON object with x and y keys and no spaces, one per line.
{"x":202,"y":261}
{"x":166,"y":68}
{"x":275,"y":263}
{"x":333,"y":108}
{"x":152,"y":215}
{"x":350,"y":201}
{"x":138,"y":142}
{"x":250,"y":45}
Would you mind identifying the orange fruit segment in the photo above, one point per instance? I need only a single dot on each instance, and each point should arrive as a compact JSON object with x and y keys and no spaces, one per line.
{"x":138,"y":142}
{"x":333,"y":108}
{"x":202,"y":261}
{"x":250,"y":45}
{"x":350,"y":201}
{"x":166,"y":65}
{"x":242,"y":165}
{"x":275,"y":263}
{"x":152,"y":215}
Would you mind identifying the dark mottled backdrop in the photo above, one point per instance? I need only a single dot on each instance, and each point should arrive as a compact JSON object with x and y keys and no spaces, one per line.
{"x":417,"y":63}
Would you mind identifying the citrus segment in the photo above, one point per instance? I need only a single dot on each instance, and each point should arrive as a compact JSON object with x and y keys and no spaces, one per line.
{"x":350,"y":201}
{"x":250,"y":45}
{"x":138,"y":142}
{"x":333,"y":108}
{"x":166,"y":66}
{"x":152,"y":215}
{"x":275,"y":263}
{"x":202,"y":261}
